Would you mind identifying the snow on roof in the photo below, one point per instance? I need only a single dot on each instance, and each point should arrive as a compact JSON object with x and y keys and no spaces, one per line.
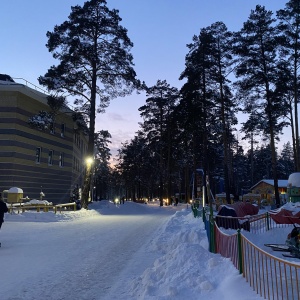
{"x":223,"y":195}
{"x":15,"y":190}
{"x":283,"y":183}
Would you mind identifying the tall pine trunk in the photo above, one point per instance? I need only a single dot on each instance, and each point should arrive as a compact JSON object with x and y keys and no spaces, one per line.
{"x":90,"y":150}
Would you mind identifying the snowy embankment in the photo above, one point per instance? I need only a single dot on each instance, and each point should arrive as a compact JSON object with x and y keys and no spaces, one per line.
{"x":130,"y":251}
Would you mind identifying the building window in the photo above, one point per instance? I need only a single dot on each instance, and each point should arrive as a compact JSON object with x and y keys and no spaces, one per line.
{"x":76,"y":164}
{"x":62,"y":129}
{"x":61,"y":159}
{"x":50,"y":158}
{"x":38,"y":153}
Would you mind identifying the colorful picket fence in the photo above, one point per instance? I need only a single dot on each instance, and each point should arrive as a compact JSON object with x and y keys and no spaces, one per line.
{"x":271,"y":277}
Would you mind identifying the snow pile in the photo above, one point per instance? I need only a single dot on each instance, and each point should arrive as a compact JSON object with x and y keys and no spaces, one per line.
{"x":186,"y":270}
{"x":181,"y":228}
{"x":67,"y":216}
{"x":287,"y":214}
{"x":38,"y":202}
{"x":290,"y":206}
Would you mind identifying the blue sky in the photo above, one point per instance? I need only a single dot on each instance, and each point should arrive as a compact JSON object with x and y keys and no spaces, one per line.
{"x":159,"y":29}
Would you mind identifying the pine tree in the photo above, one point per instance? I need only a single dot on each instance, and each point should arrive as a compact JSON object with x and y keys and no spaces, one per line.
{"x":257,"y":50}
{"x":137,"y":166}
{"x":289,"y":25}
{"x":286,"y":161}
{"x":95,"y":64}
{"x":101,"y":168}
{"x":262,"y":163}
{"x":222,"y":61}
{"x":45,"y":120}
{"x":207,"y":96}
{"x":160,"y":104}
{"x":196,"y":108}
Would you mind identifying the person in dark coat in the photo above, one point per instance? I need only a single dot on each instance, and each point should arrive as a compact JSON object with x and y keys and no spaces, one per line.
{"x":3,"y":209}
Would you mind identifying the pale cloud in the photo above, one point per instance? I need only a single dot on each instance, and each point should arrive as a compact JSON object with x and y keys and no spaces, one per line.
{"x":117,"y":117}
{"x":120,"y":137}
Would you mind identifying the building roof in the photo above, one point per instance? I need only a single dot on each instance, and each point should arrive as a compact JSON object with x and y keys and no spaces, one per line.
{"x":8,"y":86}
{"x":282,"y":183}
{"x":12,"y":86}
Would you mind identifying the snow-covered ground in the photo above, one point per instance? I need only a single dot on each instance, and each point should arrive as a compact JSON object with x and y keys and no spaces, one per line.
{"x":130,"y":251}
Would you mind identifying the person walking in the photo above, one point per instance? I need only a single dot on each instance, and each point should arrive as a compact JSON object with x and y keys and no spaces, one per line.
{"x":3,"y":209}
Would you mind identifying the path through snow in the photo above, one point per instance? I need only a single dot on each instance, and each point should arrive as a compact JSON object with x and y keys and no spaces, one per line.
{"x":85,"y":257}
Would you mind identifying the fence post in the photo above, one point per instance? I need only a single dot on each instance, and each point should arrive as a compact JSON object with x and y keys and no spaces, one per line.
{"x":268,"y":219}
{"x":212,"y":247}
{"x":240,"y":252}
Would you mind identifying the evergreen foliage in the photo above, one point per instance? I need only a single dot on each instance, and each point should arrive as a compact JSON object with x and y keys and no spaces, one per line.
{"x":45,"y":120}
{"x":95,"y":63}
{"x":253,"y":71}
{"x":257,"y":48}
{"x":259,"y":60}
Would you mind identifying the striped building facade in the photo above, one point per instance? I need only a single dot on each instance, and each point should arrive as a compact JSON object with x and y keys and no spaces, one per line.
{"x":34,"y":160}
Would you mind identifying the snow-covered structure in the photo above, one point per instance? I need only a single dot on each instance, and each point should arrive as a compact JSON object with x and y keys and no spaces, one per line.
{"x":293,"y":187}
{"x":32,"y":159}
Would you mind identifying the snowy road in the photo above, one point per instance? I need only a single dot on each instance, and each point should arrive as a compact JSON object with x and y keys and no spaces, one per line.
{"x":84,"y":257}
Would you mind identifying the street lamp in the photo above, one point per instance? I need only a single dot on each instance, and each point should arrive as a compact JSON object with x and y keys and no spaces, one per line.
{"x":89,"y":162}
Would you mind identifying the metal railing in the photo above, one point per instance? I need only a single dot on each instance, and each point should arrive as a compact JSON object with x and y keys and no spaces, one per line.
{"x":32,"y":85}
{"x":255,"y":224}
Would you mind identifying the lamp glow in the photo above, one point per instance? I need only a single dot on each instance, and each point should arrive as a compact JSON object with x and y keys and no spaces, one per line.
{"x":89,"y":161}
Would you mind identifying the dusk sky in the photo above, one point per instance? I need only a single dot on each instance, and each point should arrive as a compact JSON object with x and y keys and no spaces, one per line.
{"x":159,"y":29}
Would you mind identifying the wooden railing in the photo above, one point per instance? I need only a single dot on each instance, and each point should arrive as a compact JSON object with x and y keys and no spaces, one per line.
{"x":226,"y":245}
{"x":60,"y":207}
{"x":22,"y":207}
{"x":270,"y":276}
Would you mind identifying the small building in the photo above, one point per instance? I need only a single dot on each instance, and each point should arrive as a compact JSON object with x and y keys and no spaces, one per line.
{"x":221,"y":199}
{"x":266,"y":189}
{"x":252,"y":198}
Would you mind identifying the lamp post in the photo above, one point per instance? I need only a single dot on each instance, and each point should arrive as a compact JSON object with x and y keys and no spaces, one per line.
{"x":89,"y":162}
